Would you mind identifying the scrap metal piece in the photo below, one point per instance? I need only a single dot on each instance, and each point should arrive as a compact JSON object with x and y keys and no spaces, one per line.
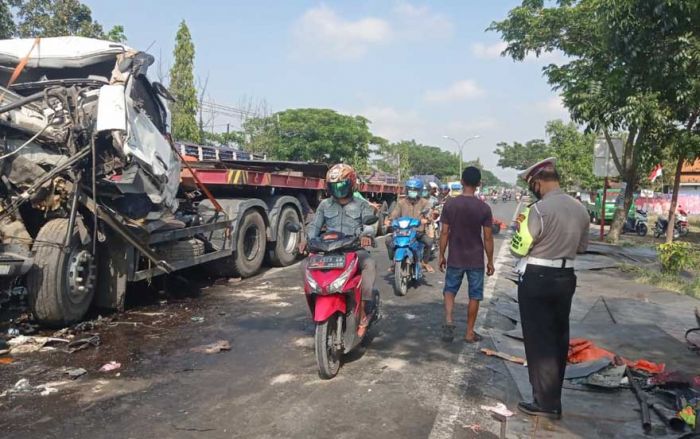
{"x":585,"y":369}
{"x":642,"y":399}
{"x":609,"y":378}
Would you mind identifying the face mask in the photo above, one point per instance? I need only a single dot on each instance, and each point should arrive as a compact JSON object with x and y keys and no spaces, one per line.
{"x":412,"y":194}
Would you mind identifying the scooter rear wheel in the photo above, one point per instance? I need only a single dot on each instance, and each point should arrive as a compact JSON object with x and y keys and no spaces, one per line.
{"x":327,"y":356}
{"x":401,"y":278}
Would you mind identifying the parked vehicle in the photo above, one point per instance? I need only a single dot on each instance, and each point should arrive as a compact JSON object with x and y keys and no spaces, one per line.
{"x":680,"y":228}
{"x":682,"y":222}
{"x":408,"y":253}
{"x":332,"y":286}
{"x":595,"y":209}
{"x":660,"y":228}
{"x":82,"y":107}
{"x":637,"y":224}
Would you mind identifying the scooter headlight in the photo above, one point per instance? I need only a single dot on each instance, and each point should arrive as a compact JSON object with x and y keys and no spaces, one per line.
{"x":313,"y":286}
{"x":404,"y":224}
{"x":337,"y":285}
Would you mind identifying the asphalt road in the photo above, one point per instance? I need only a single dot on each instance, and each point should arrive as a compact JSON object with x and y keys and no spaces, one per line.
{"x":407,"y":383}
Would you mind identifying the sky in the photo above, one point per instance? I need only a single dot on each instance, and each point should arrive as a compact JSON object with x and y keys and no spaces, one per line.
{"x":416,"y":70}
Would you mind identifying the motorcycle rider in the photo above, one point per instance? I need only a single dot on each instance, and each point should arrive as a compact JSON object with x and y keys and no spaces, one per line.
{"x":412,"y":206}
{"x":344,"y":213}
{"x":444,"y":193}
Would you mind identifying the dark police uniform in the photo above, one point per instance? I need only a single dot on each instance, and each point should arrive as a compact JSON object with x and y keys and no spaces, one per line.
{"x":558,"y":226}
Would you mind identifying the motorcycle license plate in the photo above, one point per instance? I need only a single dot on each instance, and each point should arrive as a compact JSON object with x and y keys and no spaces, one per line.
{"x":403,"y":233}
{"x":318,"y":262}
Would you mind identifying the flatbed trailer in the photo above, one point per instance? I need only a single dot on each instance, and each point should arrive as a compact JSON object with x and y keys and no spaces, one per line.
{"x":241,"y":228}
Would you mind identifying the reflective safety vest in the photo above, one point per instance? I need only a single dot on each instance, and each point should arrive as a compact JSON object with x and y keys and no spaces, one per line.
{"x":521,"y":242}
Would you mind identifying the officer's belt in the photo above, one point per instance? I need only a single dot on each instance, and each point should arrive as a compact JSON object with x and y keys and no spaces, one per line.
{"x":553,"y":263}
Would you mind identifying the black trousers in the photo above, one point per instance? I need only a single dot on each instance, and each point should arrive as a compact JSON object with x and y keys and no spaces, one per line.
{"x":544,"y":296}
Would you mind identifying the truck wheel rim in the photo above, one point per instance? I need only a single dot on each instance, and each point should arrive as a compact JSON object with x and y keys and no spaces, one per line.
{"x":81,"y":274}
{"x":251,"y":239}
{"x":289,"y":239}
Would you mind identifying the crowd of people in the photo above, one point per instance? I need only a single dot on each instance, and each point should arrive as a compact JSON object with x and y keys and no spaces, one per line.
{"x":549,"y":233}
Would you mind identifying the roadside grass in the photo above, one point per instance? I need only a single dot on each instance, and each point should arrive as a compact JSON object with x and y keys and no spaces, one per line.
{"x":685,"y":283}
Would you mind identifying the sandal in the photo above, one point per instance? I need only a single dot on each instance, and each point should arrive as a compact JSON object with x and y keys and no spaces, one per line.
{"x":362,"y":327}
{"x":448,"y":332}
{"x":429,"y":269}
{"x":477,"y":338}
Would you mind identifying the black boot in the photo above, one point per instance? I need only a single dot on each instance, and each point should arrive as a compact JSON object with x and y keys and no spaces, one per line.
{"x":533,"y":409}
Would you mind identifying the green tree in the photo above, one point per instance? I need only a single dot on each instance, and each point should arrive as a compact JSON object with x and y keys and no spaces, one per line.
{"x":521,"y":155}
{"x":184,"y":109}
{"x":236,"y":138}
{"x":619,"y":68}
{"x":574,"y":152}
{"x":417,"y":159}
{"x":55,"y":18}
{"x":7,"y":24}
{"x":393,"y":158}
{"x":488,"y":178}
{"x":311,"y":134}
{"x":572,"y":148}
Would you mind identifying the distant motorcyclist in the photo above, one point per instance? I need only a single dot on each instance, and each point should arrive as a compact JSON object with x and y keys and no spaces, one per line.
{"x":433,"y":194}
{"x":444,"y":192}
{"x":344,"y":213}
{"x":414,"y":206}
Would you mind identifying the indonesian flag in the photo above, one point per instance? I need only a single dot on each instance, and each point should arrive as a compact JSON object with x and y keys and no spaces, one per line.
{"x":657,"y":172}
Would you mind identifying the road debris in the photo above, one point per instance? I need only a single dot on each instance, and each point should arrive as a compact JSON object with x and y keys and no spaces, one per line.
{"x":581,"y":350}
{"x":500,"y":413}
{"x":7,"y":360}
{"x":499,"y":408}
{"x":213,"y":348}
{"x":112,"y":365}
{"x":586,"y":368}
{"x":503,"y":356}
{"x":82,"y":343}
{"x":197,"y":319}
{"x":24,"y":344}
{"x":75,"y":372}
{"x":23,"y":387}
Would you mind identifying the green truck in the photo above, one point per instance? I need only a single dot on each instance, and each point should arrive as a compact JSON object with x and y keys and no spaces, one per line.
{"x":595,"y":208}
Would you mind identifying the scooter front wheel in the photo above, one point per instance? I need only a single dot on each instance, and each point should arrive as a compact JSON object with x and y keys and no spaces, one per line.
{"x":327,"y":356}
{"x":400,"y":278}
{"x":642,"y":229}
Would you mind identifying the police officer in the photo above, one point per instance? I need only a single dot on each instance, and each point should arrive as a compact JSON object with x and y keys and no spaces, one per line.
{"x":549,"y":235}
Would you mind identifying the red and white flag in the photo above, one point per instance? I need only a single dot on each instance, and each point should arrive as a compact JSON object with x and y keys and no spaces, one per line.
{"x":657,"y":172}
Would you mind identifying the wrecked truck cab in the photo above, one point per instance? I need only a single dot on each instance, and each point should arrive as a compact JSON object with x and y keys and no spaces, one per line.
{"x":84,"y":135}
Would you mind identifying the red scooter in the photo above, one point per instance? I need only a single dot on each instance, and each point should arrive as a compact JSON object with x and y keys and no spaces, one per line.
{"x":332,"y":282}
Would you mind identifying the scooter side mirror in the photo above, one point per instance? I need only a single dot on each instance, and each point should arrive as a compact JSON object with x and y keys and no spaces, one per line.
{"x":369,"y":220}
{"x":293,"y":227}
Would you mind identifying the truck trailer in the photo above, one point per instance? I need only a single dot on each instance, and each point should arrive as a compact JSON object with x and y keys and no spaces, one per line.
{"x":96,"y":194}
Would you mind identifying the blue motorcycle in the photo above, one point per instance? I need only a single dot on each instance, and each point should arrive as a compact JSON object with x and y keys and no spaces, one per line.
{"x":408,"y":253}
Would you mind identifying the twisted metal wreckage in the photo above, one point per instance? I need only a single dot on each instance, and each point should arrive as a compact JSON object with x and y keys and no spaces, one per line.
{"x":85,"y":153}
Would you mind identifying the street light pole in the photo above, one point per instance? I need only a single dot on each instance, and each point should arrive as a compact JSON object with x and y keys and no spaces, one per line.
{"x":460,"y":147}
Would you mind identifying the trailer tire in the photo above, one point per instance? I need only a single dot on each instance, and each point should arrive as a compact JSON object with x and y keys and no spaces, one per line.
{"x":392,"y":206}
{"x":62,"y":282}
{"x":250,"y":244}
{"x":284,"y":252}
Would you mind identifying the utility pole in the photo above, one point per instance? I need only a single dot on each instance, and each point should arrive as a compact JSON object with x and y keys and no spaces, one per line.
{"x":460,"y":147}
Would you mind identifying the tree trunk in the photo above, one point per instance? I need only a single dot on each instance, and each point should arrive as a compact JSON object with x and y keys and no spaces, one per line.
{"x":674,"y":201}
{"x":621,"y":214}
